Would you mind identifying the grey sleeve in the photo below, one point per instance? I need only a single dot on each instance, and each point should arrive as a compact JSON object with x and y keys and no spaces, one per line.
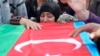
{"x":5,"y":10}
{"x":20,"y":10}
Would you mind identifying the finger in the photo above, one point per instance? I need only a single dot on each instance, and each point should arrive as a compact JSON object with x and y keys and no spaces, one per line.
{"x":33,"y":27}
{"x":27,"y":27}
{"x":75,"y":33}
{"x":92,"y":35}
{"x":95,"y":35}
{"x":38,"y":26}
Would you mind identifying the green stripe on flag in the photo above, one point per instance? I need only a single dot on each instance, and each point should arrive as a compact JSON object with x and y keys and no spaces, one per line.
{"x":9,"y":34}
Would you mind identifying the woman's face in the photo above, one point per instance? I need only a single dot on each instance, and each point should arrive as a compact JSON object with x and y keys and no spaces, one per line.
{"x":47,"y":17}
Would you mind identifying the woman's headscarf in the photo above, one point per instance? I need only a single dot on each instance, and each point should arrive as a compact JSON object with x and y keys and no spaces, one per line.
{"x":51,"y":7}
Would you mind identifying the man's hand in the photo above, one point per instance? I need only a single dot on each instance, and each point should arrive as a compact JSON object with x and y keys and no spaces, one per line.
{"x":93,"y":28}
{"x":77,"y":5}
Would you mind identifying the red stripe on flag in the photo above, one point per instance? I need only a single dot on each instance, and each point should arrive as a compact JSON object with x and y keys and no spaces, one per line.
{"x":47,"y":42}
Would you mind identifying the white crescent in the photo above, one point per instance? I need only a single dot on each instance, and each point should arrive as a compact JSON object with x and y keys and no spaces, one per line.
{"x":70,"y":40}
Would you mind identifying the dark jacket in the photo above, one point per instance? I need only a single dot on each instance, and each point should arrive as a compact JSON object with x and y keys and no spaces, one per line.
{"x":31,"y":6}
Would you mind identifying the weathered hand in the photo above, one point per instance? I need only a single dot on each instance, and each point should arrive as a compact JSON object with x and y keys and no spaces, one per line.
{"x":90,"y":27}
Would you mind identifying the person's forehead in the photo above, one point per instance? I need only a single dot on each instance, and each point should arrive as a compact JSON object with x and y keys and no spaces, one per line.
{"x":48,"y":13}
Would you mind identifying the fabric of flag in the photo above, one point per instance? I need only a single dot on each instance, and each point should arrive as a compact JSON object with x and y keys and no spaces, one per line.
{"x":52,"y":40}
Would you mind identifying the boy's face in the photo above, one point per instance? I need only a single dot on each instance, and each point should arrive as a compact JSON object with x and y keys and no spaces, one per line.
{"x":47,"y":17}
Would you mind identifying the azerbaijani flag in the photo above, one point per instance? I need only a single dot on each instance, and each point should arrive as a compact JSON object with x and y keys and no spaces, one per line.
{"x":52,"y":40}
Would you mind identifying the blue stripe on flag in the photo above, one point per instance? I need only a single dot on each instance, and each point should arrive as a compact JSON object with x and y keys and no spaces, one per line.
{"x":85,"y":37}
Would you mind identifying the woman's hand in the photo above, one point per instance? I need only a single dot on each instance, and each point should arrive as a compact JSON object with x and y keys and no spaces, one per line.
{"x":30,"y":24}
